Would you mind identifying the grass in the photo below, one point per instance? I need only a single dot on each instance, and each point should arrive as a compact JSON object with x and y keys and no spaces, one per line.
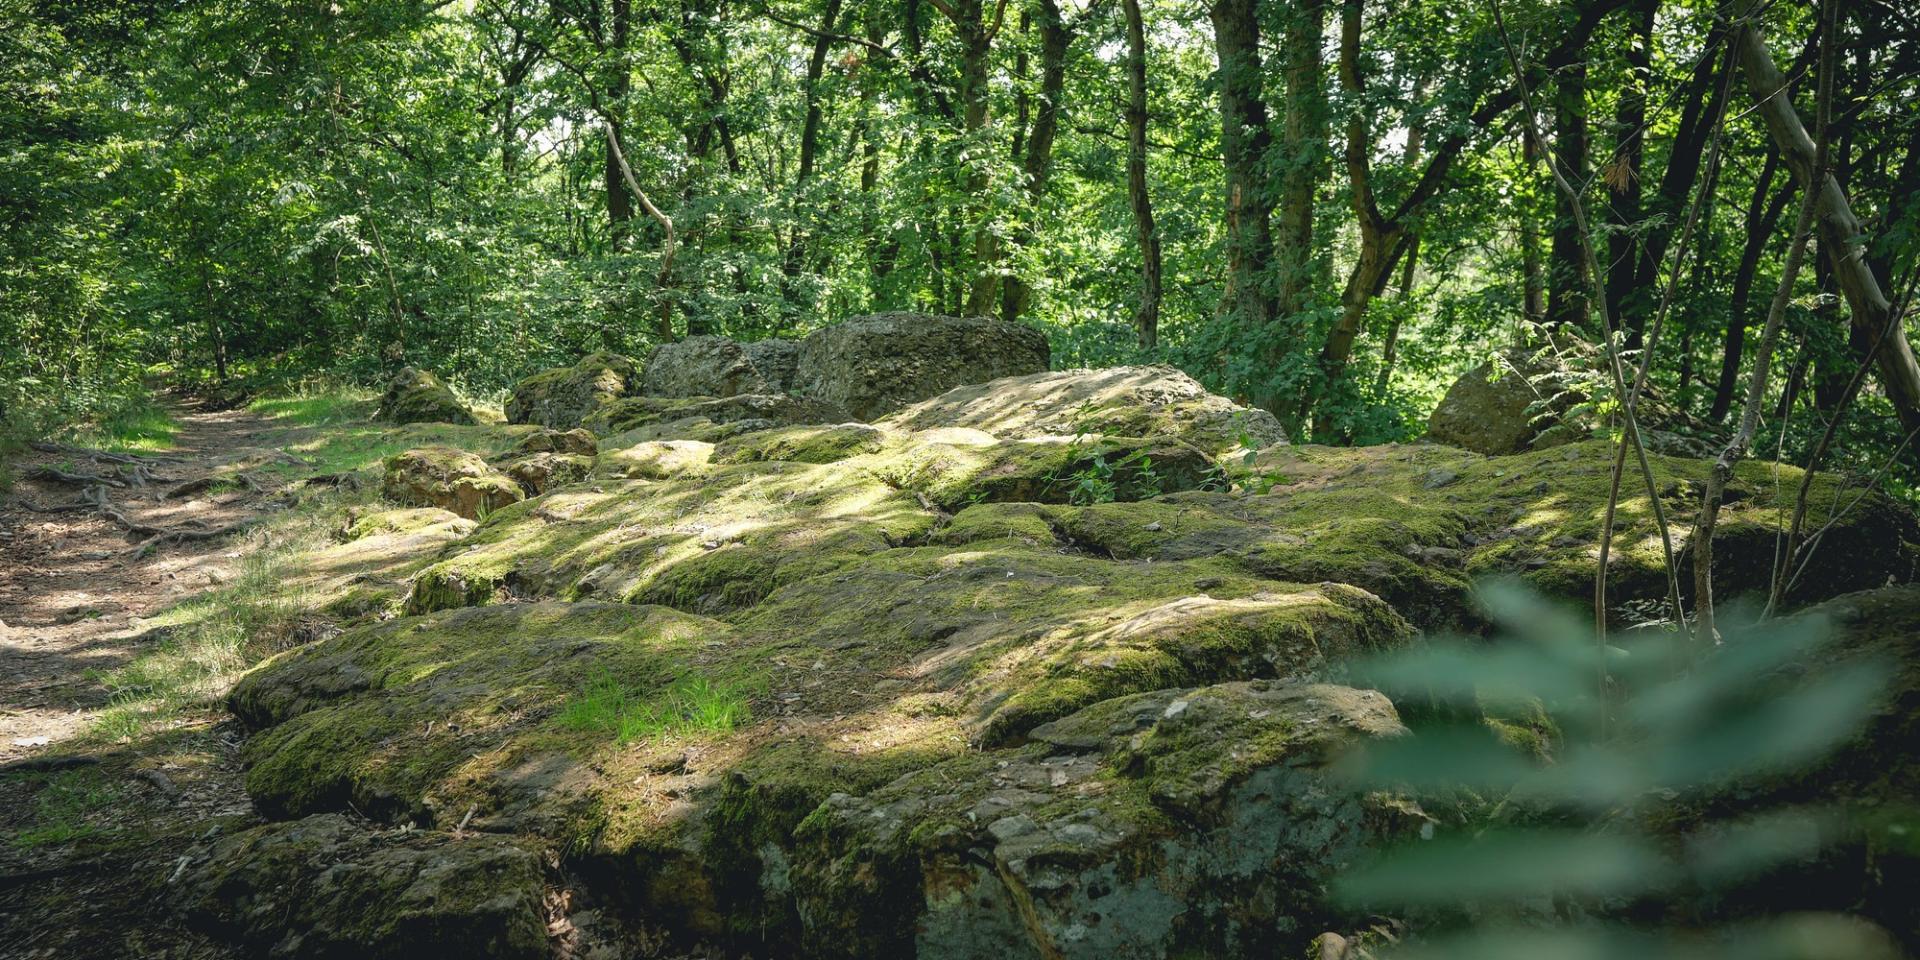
{"x":212,"y":638}
{"x":316,"y":408}
{"x":64,"y":807}
{"x":141,"y":426}
{"x":693,"y":705}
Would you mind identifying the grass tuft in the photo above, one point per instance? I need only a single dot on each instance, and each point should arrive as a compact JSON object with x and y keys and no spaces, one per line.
{"x":65,"y":806}
{"x":141,"y":426}
{"x":693,"y":705}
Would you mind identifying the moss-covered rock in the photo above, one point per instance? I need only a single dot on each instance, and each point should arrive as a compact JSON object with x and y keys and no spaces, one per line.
{"x":562,"y":397}
{"x":450,"y":479}
{"x":1150,"y":401}
{"x":1174,"y":823}
{"x":537,"y":473}
{"x":577,"y":441}
{"x":417,"y":396}
{"x":708,"y":540}
{"x":802,"y":444}
{"x":873,"y":365}
{"x":762,"y":409}
{"x":327,"y":888}
{"x":652,"y":459}
{"x":710,"y":366}
{"x":955,"y":475}
{"x":371,"y":523}
{"x":423,"y":717}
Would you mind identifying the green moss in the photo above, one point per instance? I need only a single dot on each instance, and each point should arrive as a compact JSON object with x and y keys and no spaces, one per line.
{"x":802,"y":444}
{"x":710,"y":542}
{"x":1028,"y":523}
{"x":407,"y":520}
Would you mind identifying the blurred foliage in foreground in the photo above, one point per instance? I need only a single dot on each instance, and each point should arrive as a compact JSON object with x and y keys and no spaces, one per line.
{"x":1622,"y":800}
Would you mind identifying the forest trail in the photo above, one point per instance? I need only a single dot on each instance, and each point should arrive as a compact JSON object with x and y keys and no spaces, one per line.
{"x":76,"y":586}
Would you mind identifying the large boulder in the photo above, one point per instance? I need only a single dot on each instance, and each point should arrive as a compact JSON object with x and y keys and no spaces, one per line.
{"x":710,"y":366}
{"x":1187,"y":822}
{"x":327,"y":888}
{"x":417,"y":396}
{"x":1535,"y":397}
{"x":765,"y":409}
{"x":447,"y":478}
{"x":1150,"y":401}
{"x":562,"y":397}
{"x":876,"y":364}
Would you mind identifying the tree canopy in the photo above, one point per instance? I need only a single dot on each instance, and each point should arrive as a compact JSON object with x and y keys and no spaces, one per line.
{"x":1327,"y":207}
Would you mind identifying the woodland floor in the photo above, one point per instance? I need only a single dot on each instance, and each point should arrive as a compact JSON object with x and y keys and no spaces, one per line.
{"x":76,"y":591}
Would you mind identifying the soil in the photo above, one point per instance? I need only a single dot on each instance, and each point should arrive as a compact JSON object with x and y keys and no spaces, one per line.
{"x":76,"y":589}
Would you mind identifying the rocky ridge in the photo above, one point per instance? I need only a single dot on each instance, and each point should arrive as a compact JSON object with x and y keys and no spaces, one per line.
{"x":1044,"y":666}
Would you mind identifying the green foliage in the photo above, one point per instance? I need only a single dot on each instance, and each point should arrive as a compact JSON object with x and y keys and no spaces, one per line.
{"x":1638,"y":730}
{"x":692,"y":705}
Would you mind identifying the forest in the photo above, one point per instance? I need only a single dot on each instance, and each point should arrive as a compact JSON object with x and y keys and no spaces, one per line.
{"x":959,"y":479}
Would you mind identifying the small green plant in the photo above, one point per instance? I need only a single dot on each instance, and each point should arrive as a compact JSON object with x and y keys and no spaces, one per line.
{"x":1560,"y":770}
{"x":1093,"y":483}
{"x":64,"y":807}
{"x":629,"y":713}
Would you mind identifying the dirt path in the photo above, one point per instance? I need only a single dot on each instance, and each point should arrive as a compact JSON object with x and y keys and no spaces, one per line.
{"x":75,"y":586}
{"x":76,"y":590}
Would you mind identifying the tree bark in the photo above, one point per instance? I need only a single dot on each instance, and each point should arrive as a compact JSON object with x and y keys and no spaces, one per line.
{"x":1146,"y":314}
{"x":1567,"y":281}
{"x":1303,"y":145}
{"x":1839,"y":229}
{"x":1244,"y":139}
{"x":619,"y":200}
{"x":1534,"y":269}
{"x":1037,"y":158}
{"x":1630,"y":302}
{"x":1762,"y":217}
{"x":793,"y":262}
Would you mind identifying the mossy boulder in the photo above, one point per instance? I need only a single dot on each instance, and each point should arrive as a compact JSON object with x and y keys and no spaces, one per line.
{"x":371,"y":523}
{"x":873,"y":365}
{"x":450,"y":479}
{"x":702,"y":539}
{"x":959,"y":471}
{"x":537,"y":473}
{"x":762,"y":410}
{"x":1149,"y":401}
{"x":653,"y":459}
{"x":1191,"y":822}
{"x":562,"y":397}
{"x":417,"y":396}
{"x":712,"y":366}
{"x":577,"y":441}
{"x":328,"y":888}
{"x":802,"y":444}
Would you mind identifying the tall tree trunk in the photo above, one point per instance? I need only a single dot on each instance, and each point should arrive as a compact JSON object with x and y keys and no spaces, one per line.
{"x":794,"y":261}
{"x":976,"y":41}
{"x":1146,"y":314}
{"x":619,"y":83}
{"x":1244,"y":139}
{"x":1699,"y":118}
{"x":1629,"y":302}
{"x":1762,"y":217}
{"x":1037,"y":162}
{"x":1840,"y":230}
{"x":1567,"y":281}
{"x":1531,"y":265}
{"x":1304,"y":156}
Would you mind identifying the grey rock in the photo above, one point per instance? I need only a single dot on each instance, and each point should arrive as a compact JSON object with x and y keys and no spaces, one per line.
{"x":562,"y":397}
{"x":1117,"y":401}
{"x":417,"y":396}
{"x":711,"y":366}
{"x":873,"y":365}
{"x":326,"y":888}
